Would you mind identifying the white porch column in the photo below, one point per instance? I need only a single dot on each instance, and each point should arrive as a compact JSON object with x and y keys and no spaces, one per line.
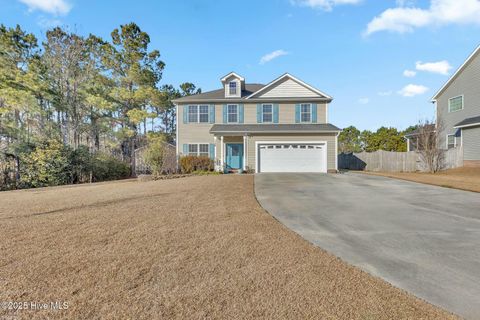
{"x":245,"y":148}
{"x":222,"y":165}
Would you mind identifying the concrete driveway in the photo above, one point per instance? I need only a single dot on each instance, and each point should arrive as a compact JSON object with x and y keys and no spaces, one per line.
{"x":420,"y":238}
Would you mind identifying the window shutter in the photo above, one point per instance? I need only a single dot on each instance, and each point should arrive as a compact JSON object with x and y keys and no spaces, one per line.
{"x":259,"y":113}
{"x":297,"y":113}
{"x":185,"y":114}
{"x":211,"y":118}
{"x":275,"y":113}
{"x":314,"y":113}
{"x":240,"y":113}
{"x":224,"y":113}
{"x":212,"y":151}
{"x":185,"y":149}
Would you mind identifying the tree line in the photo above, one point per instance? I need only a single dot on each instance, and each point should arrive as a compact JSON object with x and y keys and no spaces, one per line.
{"x":352,"y":139}
{"x":74,"y":96}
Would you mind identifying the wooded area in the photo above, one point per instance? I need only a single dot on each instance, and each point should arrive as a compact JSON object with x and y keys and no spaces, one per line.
{"x":74,"y":108}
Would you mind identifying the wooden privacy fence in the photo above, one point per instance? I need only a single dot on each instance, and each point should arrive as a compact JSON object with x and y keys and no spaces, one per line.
{"x":388,"y":161}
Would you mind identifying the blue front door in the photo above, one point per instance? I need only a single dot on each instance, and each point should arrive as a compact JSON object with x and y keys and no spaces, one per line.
{"x":234,"y":156}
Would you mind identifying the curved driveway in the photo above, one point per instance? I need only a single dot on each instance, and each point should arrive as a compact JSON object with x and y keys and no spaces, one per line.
{"x":420,"y":238}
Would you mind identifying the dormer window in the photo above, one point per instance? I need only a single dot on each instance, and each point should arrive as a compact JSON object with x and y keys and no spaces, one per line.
{"x":232,"y":88}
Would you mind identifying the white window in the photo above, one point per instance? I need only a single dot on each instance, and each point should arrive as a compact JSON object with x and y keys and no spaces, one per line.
{"x":455,"y":104}
{"x":305,"y":112}
{"x":203,"y":150}
{"x":198,"y":149}
{"x":202,"y":114}
{"x":267,"y":113}
{"x":192,"y":113}
{"x":232,"y":113}
{"x":198,"y":114}
{"x":451,"y":141}
{"x":232,"y":88}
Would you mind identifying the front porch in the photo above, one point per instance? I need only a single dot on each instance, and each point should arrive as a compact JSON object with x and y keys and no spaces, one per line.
{"x":231,"y":153}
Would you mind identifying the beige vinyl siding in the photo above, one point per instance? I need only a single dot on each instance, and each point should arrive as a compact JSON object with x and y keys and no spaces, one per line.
{"x":287,"y":89}
{"x":329,"y":138}
{"x":471,"y":143}
{"x":466,"y":83}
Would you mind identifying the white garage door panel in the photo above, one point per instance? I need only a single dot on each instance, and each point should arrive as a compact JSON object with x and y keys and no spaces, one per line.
{"x":297,"y":157}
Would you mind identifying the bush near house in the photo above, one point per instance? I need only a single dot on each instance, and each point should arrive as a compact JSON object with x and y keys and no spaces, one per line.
{"x":51,"y":163}
{"x":190,"y":164}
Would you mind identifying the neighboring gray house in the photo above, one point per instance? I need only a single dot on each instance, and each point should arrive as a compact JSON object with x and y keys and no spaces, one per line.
{"x":458,"y":110}
{"x":279,"y":127}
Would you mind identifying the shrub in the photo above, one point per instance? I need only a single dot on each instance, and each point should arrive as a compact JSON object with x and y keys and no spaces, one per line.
{"x":189,"y":164}
{"x":106,"y":167}
{"x":47,"y":165}
{"x":155,"y":152}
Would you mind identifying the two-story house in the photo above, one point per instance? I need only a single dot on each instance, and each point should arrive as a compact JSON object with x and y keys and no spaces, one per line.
{"x":279,"y":127}
{"x":458,"y":110}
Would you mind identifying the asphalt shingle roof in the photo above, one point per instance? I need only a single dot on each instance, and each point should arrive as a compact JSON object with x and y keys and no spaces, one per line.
{"x":468,"y":121}
{"x":274,"y":128}
{"x":220,"y":93}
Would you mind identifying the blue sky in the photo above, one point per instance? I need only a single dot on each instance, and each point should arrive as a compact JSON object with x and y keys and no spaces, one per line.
{"x":381,"y":60}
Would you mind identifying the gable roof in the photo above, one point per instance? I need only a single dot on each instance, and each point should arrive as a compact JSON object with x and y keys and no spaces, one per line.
{"x":289,"y":76}
{"x":230,"y":75}
{"x":455,"y":75}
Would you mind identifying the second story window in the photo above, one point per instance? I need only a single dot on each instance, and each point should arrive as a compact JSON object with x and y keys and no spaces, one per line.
{"x":305,"y":112}
{"x":232,"y":113}
{"x":198,"y":114}
{"x":455,"y":104}
{"x":232,"y":88}
{"x":267,"y":113}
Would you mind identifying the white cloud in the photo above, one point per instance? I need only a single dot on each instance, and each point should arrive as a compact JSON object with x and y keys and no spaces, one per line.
{"x":326,"y":5}
{"x":46,"y":23}
{"x":441,"y":67}
{"x":50,"y":6}
{"x":440,"y":12}
{"x":412,"y":90}
{"x":385,"y":93}
{"x":409,"y":73}
{"x":273,"y":55}
{"x":363,"y":100}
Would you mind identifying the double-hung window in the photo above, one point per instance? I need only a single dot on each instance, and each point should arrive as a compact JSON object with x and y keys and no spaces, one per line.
{"x":198,"y":149}
{"x":451,"y":143}
{"x":267,"y":113}
{"x":232,"y":88}
{"x":232,"y":113}
{"x":198,"y":114}
{"x":305,"y":112}
{"x":455,"y":104}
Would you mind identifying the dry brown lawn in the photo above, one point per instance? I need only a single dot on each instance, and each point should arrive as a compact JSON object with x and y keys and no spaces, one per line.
{"x":460,"y":178}
{"x":191,"y":248}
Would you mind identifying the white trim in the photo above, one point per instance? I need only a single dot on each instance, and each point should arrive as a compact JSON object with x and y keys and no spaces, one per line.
{"x":287,"y":75}
{"x":290,"y":142}
{"x":276,"y":131}
{"x":467,"y":125}
{"x":238,"y":112}
{"x":454,"y":140}
{"x":310,"y":106}
{"x":267,"y":104}
{"x":244,"y":152}
{"x":222,"y":151}
{"x":336,"y":153}
{"x":463,"y":103}
{"x":198,"y":148}
{"x":459,"y":70}
{"x":232,"y":74}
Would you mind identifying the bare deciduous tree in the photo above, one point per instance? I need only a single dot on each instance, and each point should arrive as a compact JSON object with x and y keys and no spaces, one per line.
{"x":429,"y":149}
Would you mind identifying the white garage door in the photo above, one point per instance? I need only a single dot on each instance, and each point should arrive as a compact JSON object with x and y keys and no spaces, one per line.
{"x":292,"y":157}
